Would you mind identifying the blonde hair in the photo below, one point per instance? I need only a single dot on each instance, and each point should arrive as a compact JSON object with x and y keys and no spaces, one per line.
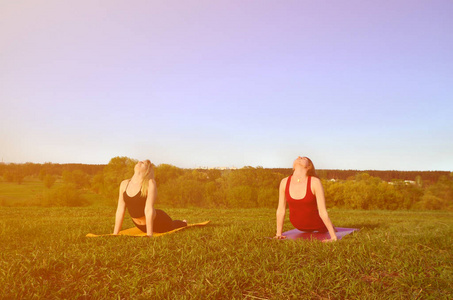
{"x":146,"y":178}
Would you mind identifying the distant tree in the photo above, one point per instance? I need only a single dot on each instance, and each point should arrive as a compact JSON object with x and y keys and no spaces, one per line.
{"x":8,"y":176}
{"x":199,"y":176}
{"x":438,"y":195}
{"x":431,"y":202}
{"x":186,"y":190}
{"x":42,"y":173}
{"x":65,"y":195}
{"x":19,"y":177}
{"x":190,"y":192}
{"x":30,"y":169}
{"x":267,"y":197}
{"x":49,"y":181}
{"x":169,"y":193}
{"x":214,"y":174}
{"x":241,"y":177}
{"x":118,"y":169}
{"x":97,"y":183}
{"x":166,"y":172}
{"x":77,"y":177}
{"x":242,"y":196}
{"x":334,"y":193}
{"x":419,"y":181}
{"x":211,"y":194}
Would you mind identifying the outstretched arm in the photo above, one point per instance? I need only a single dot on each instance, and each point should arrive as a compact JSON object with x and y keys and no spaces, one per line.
{"x":120,"y":210}
{"x":150,"y":212}
{"x":281,"y":209}
{"x":321,"y":201}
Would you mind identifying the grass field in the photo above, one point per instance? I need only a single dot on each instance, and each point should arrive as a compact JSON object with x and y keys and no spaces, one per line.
{"x":12,"y":193}
{"x":395,"y":255}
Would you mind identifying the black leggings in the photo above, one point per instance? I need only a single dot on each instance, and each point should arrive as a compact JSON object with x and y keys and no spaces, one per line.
{"x":162,"y":223}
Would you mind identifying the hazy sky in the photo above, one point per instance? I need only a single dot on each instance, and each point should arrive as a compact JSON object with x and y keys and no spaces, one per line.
{"x":350,"y":84}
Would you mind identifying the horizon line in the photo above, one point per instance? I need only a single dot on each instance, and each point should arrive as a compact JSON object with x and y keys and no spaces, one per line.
{"x":227,"y":167}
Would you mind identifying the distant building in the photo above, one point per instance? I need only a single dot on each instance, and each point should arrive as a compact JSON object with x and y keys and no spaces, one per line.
{"x":217,"y":168}
{"x":407,"y":182}
{"x":225,"y":168}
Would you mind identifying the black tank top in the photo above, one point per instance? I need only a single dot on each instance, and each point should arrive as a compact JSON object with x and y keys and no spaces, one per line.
{"x":135,"y":205}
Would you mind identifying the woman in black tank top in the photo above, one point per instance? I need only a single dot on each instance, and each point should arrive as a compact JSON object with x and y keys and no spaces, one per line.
{"x":140,"y":205}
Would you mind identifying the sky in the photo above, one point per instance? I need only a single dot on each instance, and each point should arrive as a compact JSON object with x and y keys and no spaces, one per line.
{"x":363,"y":85}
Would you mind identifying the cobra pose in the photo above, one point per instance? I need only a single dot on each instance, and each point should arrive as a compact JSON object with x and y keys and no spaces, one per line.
{"x":304,"y":194}
{"x":141,"y":206}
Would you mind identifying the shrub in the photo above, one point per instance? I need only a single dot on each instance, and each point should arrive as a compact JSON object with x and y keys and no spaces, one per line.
{"x":241,"y":196}
{"x":8,"y":176}
{"x":49,"y":180}
{"x":79,"y":178}
{"x":118,"y":169}
{"x":65,"y":195}
{"x":267,"y":197}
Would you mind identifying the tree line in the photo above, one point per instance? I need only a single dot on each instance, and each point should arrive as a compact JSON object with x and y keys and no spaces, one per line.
{"x":429,"y":177}
{"x":15,"y":171}
{"x":242,"y":188}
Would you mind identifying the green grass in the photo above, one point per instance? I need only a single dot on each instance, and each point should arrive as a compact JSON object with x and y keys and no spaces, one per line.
{"x":395,"y":255}
{"x":20,"y":194}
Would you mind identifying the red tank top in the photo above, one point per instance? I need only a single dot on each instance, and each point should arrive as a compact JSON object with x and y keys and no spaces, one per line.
{"x":303,"y":213}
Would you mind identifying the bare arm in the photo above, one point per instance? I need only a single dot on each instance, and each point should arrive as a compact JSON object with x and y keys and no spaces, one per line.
{"x":281,"y":209}
{"x":321,"y":201}
{"x":150,"y":213}
{"x":120,"y":210}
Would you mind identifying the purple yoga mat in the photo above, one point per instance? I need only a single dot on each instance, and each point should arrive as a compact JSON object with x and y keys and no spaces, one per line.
{"x":297,"y":234}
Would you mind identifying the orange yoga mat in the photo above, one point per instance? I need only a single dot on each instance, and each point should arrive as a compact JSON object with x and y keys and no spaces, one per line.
{"x":308,"y":235}
{"x":134,"y":231}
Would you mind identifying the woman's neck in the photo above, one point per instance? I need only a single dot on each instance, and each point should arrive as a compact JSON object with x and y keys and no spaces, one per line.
{"x":300,"y":173}
{"x":138,"y":178}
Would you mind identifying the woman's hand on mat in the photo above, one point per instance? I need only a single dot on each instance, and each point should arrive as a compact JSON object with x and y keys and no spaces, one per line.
{"x":329,"y":240}
{"x":279,"y":237}
{"x":149,"y":235}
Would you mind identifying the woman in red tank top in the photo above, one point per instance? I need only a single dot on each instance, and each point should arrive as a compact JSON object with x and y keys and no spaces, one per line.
{"x":304,"y":194}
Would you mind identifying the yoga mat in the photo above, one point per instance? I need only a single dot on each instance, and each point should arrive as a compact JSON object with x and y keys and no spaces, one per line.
{"x":134,"y":231}
{"x":297,"y":234}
